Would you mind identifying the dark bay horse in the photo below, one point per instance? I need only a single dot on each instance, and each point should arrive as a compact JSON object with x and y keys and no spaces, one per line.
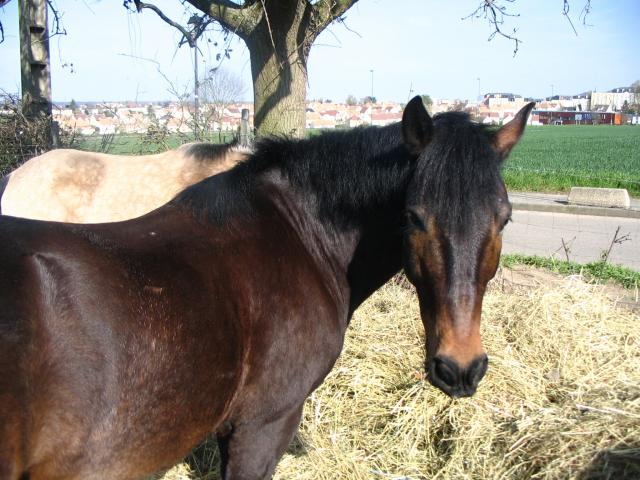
{"x":68,"y":185}
{"x":123,"y":345}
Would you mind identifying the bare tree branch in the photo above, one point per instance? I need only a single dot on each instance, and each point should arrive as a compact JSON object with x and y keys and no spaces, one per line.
{"x":586,"y":10}
{"x":326,"y":11}
{"x":186,"y":35}
{"x":239,"y":19}
{"x":58,"y":28}
{"x":565,"y":12}
{"x":2,"y":4}
{"x":495,"y":11}
{"x":266,"y":17}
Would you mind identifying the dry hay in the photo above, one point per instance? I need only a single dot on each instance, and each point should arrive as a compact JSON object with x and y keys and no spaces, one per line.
{"x":561,"y":398}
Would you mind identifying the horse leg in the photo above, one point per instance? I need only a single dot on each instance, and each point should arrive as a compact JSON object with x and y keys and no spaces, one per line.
{"x":253,"y":449}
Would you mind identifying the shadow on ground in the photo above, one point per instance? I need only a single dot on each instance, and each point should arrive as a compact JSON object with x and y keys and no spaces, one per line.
{"x":204,"y":461}
{"x":620,"y":462}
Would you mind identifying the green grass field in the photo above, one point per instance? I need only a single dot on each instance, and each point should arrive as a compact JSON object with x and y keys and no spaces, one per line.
{"x":548,"y":158}
{"x":556,"y":158}
{"x":138,"y":144}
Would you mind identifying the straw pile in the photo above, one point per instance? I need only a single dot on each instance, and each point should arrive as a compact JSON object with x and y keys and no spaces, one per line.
{"x":561,"y":398}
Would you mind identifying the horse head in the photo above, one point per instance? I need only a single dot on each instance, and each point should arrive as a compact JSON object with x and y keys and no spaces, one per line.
{"x":456,"y":209}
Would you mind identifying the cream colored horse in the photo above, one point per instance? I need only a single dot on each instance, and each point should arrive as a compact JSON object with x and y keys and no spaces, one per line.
{"x":86,"y":187}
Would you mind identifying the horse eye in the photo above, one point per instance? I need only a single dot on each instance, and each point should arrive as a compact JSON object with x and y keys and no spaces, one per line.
{"x":504,"y":224}
{"x":415,"y":220}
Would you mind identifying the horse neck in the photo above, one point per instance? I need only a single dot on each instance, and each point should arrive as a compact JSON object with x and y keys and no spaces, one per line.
{"x":356,"y":234}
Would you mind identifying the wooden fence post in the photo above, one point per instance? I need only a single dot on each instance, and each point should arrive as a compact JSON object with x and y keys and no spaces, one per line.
{"x":35,"y":64}
{"x":244,"y":128}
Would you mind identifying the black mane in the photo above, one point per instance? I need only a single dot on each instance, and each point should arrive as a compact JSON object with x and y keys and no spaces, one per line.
{"x":365,"y":170}
{"x":204,"y":151}
{"x":345,"y":170}
{"x":458,"y":169}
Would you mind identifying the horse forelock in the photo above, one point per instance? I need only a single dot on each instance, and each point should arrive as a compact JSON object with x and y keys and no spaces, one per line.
{"x":457,"y":173}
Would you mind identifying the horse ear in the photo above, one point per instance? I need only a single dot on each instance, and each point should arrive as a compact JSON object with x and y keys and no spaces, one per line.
{"x":507,"y":137}
{"x":417,"y":126}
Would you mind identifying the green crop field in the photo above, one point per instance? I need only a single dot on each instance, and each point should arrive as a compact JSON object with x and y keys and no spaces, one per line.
{"x":547,"y":159}
{"x":556,"y":158}
{"x":139,"y":144}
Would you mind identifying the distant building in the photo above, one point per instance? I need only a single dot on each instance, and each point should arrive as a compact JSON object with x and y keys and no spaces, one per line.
{"x":550,"y":117}
{"x":493,"y":100}
{"x":613,"y":100}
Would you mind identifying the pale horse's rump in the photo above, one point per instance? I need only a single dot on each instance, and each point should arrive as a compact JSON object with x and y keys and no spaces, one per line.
{"x":85,"y":187}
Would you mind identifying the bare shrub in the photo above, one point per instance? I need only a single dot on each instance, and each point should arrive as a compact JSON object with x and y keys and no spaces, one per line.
{"x":22,"y":138}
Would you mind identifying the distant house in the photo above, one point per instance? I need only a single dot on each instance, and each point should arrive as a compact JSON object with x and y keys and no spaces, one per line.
{"x":492,"y":100}
{"x":355,"y":121}
{"x":319,"y":120}
{"x":384,"y":118}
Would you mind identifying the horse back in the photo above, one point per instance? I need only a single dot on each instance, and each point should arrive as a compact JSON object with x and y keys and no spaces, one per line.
{"x":87,"y":187}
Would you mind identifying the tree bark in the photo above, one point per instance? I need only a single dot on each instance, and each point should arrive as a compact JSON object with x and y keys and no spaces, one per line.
{"x":279,"y":68}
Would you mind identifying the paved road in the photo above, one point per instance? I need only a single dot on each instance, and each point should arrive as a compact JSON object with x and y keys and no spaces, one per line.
{"x":586,"y":236}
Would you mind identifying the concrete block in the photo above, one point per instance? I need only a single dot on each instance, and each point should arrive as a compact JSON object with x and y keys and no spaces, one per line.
{"x":600,"y":197}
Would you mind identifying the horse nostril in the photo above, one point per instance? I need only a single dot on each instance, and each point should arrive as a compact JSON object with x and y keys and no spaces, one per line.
{"x":477,"y":370}
{"x":446,"y":371}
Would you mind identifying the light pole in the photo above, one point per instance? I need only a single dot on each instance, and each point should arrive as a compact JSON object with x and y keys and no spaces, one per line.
{"x":195,"y":21}
{"x":371,"y":85}
{"x":552,"y":91}
{"x":371,"y":96}
{"x":478,"y":101}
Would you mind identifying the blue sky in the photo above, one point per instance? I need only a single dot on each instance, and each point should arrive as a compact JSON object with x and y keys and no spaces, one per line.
{"x":412,"y":46}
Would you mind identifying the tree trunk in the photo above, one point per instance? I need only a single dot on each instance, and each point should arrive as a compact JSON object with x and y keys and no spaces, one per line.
{"x":279,"y":35}
{"x":279,"y":68}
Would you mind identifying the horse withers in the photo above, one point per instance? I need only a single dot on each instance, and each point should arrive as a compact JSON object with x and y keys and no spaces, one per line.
{"x":75,"y":186}
{"x":123,"y":345}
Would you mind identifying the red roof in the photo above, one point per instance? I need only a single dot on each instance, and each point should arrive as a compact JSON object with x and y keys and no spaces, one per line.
{"x":386,"y":116}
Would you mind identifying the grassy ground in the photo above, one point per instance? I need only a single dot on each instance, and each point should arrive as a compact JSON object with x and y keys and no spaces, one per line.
{"x":138,"y":144}
{"x":555,"y":158}
{"x":597,"y":271}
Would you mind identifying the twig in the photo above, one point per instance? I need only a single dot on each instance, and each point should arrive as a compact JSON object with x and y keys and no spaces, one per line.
{"x":494,"y":13}
{"x":186,"y":35}
{"x":567,"y":248}
{"x":616,"y":240}
{"x":266,"y":16}
{"x":586,"y":10}
{"x":58,"y":28}
{"x":565,"y":12}
{"x":609,"y":410}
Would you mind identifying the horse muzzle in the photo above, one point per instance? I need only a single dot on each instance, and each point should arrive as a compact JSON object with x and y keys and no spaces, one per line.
{"x":447,"y":375}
